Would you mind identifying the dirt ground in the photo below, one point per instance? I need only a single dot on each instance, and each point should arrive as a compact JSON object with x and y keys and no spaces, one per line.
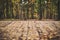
{"x":30,"y":30}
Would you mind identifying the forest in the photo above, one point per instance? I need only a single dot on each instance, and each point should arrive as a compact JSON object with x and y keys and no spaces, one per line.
{"x":30,"y":9}
{"x":29,"y":19}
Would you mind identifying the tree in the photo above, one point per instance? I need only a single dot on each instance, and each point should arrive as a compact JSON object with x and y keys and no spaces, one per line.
{"x":58,"y":9}
{"x":1,"y":9}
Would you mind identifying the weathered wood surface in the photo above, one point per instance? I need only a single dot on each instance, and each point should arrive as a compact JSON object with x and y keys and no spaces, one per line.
{"x":29,"y":30}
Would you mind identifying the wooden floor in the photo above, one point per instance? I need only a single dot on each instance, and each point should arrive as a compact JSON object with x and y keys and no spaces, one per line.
{"x":29,"y":30}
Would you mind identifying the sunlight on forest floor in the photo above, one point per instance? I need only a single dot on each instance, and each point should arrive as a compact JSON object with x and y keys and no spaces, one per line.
{"x":30,"y":30}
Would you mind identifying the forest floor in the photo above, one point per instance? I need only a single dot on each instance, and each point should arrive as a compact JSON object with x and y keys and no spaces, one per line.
{"x":30,"y":30}
{"x":28,"y":19}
